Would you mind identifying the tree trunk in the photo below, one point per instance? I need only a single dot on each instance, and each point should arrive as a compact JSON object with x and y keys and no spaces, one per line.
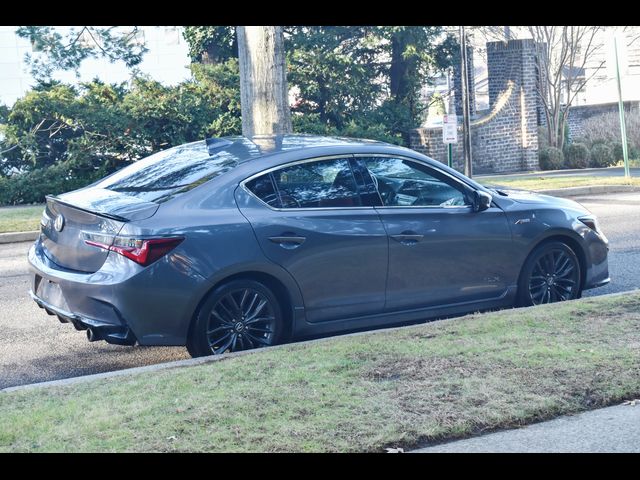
{"x":263,"y":82}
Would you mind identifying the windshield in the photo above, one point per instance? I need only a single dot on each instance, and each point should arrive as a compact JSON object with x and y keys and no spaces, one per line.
{"x":165,"y":174}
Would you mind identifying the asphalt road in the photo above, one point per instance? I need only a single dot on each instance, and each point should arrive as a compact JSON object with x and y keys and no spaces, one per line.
{"x":35,"y":347}
{"x":607,"y":430}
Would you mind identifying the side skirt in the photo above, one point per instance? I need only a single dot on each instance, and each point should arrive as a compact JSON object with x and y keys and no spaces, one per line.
{"x":304,"y":328}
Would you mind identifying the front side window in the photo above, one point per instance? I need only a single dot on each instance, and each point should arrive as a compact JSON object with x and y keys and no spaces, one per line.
{"x":319,"y":184}
{"x":403,"y":183}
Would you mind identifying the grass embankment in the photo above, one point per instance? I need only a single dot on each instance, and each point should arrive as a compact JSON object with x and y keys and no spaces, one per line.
{"x":541,"y":182}
{"x":20,"y":219}
{"x":433,"y":381}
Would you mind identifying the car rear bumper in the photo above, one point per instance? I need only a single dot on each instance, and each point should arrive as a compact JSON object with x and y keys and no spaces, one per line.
{"x":122,"y":302}
{"x":97,"y":329}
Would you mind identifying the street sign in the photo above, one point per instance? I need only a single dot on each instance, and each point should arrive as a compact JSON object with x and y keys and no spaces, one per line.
{"x":450,"y":129}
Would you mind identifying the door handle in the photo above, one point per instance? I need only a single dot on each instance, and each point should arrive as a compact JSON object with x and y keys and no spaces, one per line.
{"x":408,"y":238}
{"x":288,"y":242}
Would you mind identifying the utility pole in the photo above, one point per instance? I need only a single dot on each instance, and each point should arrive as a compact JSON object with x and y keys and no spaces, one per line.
{"x":466,"y":122}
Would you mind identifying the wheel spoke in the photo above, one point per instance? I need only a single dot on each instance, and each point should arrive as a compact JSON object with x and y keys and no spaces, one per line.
{"x":217,"y":315}
{"x":225,"y":328}
{"x":221,"y":339}
{"x":223,"y":348}
{"x":261,"y":330}
{"x":234,"y":304}
{"x":245,"y":294}
{"x":259,"y":319}
{"x":257,"y":310}
{"x":251,"y":344}
{"x":250,"y":307}
{"x":261,"y":341}
{"x":228,"y":312}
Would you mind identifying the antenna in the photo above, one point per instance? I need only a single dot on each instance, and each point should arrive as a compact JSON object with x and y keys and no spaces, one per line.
{"x":215,"y":143}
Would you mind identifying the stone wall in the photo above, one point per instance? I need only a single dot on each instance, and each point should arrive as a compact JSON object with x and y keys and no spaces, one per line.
{"x":505,"y":139}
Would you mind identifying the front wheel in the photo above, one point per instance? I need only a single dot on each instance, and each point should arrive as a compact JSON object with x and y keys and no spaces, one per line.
{"x":550,"y":274}
{"x":239,"y":315}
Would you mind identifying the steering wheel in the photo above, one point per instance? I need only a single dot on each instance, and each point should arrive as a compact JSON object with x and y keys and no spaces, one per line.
{"x":387,"y":193}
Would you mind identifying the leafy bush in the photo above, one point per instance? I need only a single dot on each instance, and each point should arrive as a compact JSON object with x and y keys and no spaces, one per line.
{"x":576,"y":155}
{"x":33,"y":186}
{"x":618,"y":154}
{"x":75,"y":135}
{"x":550,"y":158}
{"x":601,"y":156}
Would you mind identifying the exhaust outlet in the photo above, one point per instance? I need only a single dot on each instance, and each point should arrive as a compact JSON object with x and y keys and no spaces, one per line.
{"x":93,"y":335}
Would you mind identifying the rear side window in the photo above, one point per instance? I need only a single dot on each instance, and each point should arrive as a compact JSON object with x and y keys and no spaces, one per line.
{"x":319,"y":184}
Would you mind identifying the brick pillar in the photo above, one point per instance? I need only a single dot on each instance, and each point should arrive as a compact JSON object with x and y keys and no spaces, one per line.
{"x":515,"y":61}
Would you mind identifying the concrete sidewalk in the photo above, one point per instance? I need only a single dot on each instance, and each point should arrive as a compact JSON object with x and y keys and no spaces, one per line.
{"x":606,"y":430}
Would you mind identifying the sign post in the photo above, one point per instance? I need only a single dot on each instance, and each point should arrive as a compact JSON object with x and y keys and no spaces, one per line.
{"x":619,"y":62}
{"x":450,"y":135}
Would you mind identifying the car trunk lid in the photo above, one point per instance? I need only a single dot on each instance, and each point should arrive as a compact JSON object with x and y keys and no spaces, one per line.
{"x":70,"y":218}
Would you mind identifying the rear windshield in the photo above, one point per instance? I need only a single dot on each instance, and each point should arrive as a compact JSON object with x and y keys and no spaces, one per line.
{"x":166,"y":174}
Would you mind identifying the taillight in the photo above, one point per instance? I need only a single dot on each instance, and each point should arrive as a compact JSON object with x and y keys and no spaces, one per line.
{"x":143,"y":251}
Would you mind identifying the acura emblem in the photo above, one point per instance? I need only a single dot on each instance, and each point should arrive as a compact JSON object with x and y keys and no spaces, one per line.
{"x":58,"y":224}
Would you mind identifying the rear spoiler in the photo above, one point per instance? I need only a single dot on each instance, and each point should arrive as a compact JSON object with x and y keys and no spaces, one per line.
{"x":111,"y":216}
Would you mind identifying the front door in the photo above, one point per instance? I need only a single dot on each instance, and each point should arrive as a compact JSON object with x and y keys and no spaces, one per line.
{"x":309,"y":218}
{"x":440,"y":251}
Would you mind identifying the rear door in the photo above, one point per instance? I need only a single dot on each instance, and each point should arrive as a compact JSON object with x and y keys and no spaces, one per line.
{"x":313,"y":219}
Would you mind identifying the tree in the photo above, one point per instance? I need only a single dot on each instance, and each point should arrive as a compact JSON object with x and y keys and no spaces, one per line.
{"x":365,"y":80}
{"x":263,"y":82}
{"x":55,"y":51}
{"x":210,"y":45}
{"x":563,"y":53}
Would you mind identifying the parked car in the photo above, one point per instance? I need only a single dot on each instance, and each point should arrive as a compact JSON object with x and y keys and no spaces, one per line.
{"x":231,"y":244}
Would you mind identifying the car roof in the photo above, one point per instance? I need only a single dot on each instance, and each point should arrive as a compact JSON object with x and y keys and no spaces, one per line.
{"x":243,"y":149}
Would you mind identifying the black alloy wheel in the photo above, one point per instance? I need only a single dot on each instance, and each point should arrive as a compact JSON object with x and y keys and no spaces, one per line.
{"x":240,"y":315}
{"x":551,"y":274}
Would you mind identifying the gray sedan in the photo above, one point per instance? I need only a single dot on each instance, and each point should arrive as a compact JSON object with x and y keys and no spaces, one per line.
{"x":234,"y":243}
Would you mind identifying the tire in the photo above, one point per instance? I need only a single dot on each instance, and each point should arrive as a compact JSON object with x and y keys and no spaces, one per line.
{"x":233,"y":318}
{"x":550,"y":274}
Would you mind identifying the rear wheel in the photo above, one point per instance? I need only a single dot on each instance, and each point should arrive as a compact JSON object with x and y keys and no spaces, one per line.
{"x":239,"y":315}
{"x":550,"y":274}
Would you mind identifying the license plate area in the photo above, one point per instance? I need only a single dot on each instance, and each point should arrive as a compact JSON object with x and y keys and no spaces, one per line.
{"x":51,"y":293}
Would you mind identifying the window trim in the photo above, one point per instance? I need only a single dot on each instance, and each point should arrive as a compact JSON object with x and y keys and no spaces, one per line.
{"x":346,"y":156}
{"x":465,"y":188}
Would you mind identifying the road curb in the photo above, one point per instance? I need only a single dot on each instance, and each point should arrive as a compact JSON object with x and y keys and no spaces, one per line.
{"x":218,"y":358}
{"x":592,"y":190}
{"x":17,"y":237}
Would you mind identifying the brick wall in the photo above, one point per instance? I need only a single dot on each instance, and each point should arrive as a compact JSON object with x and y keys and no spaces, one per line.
{"x":505,"y":139}
{"x":579,"y":113}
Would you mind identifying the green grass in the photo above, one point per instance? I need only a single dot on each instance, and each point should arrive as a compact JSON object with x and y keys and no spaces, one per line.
{"x":541,"y":182}
{"x":401,"y":388}
{"x":20,"y":219}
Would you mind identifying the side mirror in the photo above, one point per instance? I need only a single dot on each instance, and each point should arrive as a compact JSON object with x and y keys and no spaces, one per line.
{"x":481,"y":201}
